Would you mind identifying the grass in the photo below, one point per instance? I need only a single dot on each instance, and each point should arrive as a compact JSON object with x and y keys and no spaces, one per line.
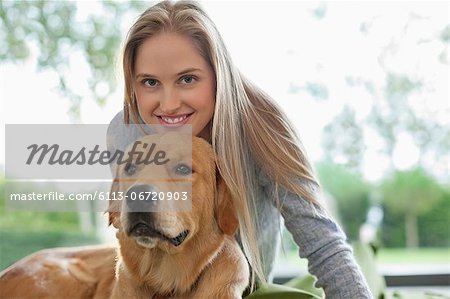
{"x":413,"y":256}
{"x":388,"y":256}
{"x":25,"y":232}
{"x":15,"y":244}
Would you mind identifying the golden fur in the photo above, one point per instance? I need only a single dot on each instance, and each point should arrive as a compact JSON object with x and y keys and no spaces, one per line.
{"x":76,"y":273}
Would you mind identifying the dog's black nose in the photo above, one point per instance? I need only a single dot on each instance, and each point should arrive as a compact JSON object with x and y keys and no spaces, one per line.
{"x":140,"y":198}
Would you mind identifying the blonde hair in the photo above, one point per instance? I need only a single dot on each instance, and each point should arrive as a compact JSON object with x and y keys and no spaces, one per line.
{"x":247,"y":127}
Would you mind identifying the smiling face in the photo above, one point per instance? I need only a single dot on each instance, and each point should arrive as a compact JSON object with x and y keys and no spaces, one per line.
{"x":173,"y":84}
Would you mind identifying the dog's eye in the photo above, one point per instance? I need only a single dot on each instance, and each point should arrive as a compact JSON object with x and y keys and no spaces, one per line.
{"x":130,"y":168}
{"x":183,"y":169}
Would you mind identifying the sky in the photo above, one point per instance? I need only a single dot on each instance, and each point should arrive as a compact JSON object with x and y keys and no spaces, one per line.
{"x":282,"y":46}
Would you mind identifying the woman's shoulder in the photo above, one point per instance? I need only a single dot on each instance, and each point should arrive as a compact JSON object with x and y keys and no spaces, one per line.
{"x":120,"y":134}
{"x":116,"y":133}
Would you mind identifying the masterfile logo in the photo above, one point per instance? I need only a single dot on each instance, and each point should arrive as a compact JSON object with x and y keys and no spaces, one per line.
{"x":54,"y":155}
{"x":72,"y":167}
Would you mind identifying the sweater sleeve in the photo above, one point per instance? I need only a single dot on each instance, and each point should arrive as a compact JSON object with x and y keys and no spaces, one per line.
{"x":324,"y":244}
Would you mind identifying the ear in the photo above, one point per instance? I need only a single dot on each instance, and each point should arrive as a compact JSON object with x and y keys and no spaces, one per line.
{"x":114,"y":205}
{"x":225,"y":210}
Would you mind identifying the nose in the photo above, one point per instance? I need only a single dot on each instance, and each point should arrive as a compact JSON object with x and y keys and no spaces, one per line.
{"x":170,"y":103}
{"x":140,"y":198}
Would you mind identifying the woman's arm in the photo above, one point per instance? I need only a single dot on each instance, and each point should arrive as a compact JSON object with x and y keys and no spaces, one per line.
{"x":323,"y":243}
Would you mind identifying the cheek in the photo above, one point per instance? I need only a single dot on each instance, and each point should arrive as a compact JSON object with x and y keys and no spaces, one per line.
{"x":146,"y":103}
{"x":205,"y":99}
{"x":143,"y":99}
{"x":206,"y":105}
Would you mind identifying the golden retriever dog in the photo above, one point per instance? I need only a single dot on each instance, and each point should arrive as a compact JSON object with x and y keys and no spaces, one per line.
{"x":163,"y":252}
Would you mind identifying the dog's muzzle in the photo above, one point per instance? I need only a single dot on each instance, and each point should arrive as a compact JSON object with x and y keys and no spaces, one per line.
{"x":141,"y":218}
{"x":146,"y":234}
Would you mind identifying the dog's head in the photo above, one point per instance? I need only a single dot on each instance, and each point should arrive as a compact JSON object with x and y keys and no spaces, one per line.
{"x":145,"y":219}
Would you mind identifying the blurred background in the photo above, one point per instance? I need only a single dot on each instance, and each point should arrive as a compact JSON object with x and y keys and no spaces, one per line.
{"x":365,"y":83}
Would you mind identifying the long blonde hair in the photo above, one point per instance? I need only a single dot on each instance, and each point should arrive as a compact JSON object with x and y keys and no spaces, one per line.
{"x":248,"y":128}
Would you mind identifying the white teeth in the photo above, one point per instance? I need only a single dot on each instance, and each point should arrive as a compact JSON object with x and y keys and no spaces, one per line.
{"x":174,"y":120}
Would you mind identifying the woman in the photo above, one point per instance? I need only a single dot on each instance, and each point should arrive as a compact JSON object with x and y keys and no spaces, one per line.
{"x":177,"y":71}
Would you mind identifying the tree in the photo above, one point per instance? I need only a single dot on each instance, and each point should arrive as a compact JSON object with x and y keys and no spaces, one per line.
{"x":51,"y":31}
{"x":434,"y":228}
{"x":395,"y":109}
{"x":389,"y":117}
{"x":411,"y":193}
{"x":401,"y":105}
{"x":343,"y":140}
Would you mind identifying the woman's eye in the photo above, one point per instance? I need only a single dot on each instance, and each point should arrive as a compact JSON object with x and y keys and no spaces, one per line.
{"x":151,"y":82}
{"x":183,"y":169}
{"x":187,"y":79}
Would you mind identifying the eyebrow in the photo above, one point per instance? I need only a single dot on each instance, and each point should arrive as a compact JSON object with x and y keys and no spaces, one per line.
{"x":188,"y":70}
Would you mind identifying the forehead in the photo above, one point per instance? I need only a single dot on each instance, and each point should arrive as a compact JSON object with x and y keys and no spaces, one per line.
{"x":167,"y":53}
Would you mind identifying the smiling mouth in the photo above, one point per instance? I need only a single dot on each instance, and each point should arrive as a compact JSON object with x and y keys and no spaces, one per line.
{"x":175,"y":120}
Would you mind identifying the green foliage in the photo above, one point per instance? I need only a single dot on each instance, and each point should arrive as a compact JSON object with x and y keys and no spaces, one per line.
{"x":394,"y":115}
{"x":343,"y":140}
{"x":393,"y":229}
{"x":434,"y":225}
{"x":445,"y":34}
{"x":51,"y":29}
{"x":317,"y":90}
{"x":351,"y":193}
{"x":412,"y":190}
{"x":415,"y":193}
{"x":320,"y":11}
{"x":400,"y":85}
{"x":409,"y":191}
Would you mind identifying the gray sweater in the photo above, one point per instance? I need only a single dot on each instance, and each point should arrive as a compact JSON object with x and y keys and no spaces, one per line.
{"x":318,"y":237}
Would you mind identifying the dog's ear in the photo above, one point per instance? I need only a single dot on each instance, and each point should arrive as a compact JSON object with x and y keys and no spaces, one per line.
{"x":114,"y":205}
{"x":225,"y":210}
